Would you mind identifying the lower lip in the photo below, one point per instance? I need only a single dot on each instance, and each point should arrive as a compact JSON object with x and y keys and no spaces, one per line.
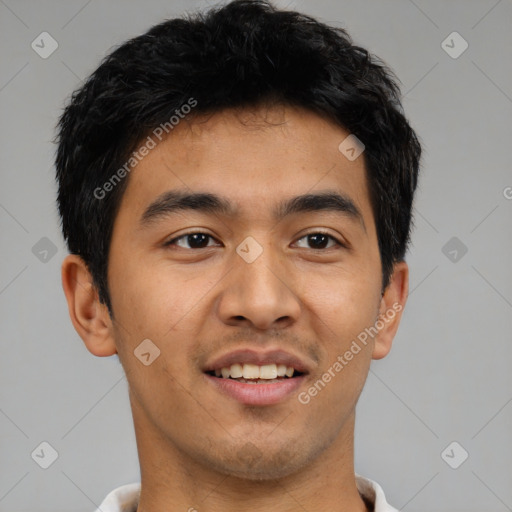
{"x":257,"y":394}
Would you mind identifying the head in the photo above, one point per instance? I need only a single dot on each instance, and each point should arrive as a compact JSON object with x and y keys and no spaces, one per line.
{"x":248,"y":106}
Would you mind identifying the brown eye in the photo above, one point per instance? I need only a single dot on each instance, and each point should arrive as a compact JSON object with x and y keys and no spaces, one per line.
{"x":196,"y":240}
{"x":319,"y":240}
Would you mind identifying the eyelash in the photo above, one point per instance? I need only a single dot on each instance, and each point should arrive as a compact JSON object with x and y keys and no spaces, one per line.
{"x":336,"y":241}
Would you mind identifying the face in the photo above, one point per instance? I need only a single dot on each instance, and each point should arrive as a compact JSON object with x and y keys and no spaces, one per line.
{"x":247,"y":278}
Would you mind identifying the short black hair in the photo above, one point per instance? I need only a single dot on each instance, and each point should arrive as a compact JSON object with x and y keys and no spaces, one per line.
{"x":242,"y":54}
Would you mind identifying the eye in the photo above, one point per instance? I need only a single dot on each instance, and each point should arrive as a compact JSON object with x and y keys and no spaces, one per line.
{"x":319,"y":239}
{"x":199,"y":240}
{"x":196,"y":240}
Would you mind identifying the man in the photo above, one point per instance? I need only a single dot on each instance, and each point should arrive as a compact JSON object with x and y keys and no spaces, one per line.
{"x":235,"y":191}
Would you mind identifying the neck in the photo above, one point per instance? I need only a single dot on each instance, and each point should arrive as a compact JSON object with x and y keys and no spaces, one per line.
{"x":171,"y":480}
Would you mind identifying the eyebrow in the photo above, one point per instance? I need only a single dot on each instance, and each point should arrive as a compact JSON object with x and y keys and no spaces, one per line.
{"x":175,"y":201}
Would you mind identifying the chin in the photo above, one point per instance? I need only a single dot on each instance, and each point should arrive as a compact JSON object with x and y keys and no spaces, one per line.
{"x":252,"y":463}
{"x":258,"y":472}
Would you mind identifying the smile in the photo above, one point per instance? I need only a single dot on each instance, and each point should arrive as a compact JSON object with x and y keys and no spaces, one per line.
{"x":253,"y":373}
{"x":251,"y":384}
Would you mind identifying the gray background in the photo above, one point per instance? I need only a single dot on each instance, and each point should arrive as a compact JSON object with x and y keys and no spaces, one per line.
{"x":447,"y":378}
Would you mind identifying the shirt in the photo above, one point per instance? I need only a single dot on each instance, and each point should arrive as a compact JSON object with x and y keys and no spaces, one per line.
{"x":126,"y":497}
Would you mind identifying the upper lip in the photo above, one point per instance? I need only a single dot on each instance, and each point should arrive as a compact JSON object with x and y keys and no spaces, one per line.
{"x":260,"y":358}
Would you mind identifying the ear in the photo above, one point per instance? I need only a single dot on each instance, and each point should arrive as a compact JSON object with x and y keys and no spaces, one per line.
{"x":90,"y":318}
{"x":391,"y":308}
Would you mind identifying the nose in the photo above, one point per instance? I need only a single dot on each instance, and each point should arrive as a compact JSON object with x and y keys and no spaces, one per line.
{"x":258,"y":294}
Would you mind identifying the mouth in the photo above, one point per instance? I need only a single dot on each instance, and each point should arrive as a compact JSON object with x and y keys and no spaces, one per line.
{"x":253,"y":378}
{"x":254,"y":374}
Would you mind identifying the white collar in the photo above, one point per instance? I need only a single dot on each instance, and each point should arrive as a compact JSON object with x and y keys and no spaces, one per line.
{"x":126,"y":497}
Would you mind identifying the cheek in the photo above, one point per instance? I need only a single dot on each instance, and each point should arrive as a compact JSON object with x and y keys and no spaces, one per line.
{"x":144,"y":297}
{"x":346,"y":300}
{"x":163,"y":304}
{"x":343,"y":308}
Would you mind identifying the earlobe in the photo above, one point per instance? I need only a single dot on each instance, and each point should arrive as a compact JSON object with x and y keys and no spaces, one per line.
{"x":89,"y":317}
{"x":391,"y":308}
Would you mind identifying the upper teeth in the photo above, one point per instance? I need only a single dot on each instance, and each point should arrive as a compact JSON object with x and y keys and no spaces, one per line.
{"x":253,"y":371}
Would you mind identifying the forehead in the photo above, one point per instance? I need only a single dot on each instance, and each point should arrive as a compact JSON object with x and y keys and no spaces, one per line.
{"x":253,"y":157}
